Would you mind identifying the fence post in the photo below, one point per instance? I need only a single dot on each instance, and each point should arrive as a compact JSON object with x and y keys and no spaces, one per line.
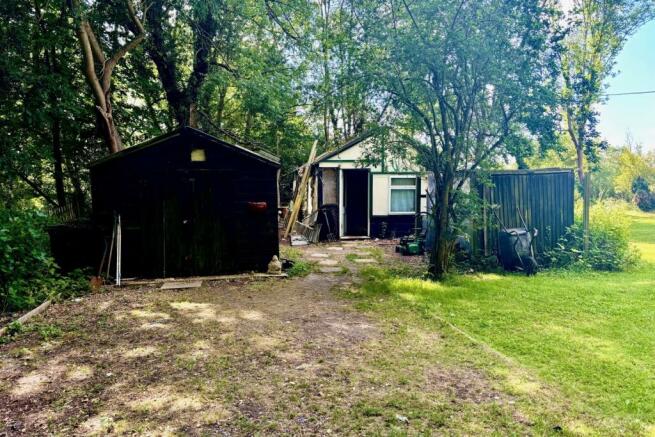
{"x":586,"y":193}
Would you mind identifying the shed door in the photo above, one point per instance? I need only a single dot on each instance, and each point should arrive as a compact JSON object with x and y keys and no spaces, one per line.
{"x":196,"y":227}
{"x":355,"y":202}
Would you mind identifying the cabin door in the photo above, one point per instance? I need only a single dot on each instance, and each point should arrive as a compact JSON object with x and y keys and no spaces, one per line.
{"x":355,"y":202}
{"x":196,"y":224}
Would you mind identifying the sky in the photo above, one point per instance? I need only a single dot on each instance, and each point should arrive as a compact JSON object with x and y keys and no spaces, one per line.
{"x":634,"y":114}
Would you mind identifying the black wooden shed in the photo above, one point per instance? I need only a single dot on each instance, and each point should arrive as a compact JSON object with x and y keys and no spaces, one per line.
{"x":190,"y":205}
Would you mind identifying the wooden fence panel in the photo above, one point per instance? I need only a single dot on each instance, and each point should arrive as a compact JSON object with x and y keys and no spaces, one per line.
{"x":544,"y":197}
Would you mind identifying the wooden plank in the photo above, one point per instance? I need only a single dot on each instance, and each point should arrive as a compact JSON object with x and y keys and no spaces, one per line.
{"x":25,"y":317}
{"x":300,"y":194}
{"x":178,"y":285}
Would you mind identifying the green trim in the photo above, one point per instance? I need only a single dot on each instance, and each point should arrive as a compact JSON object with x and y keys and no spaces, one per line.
{"x":350,"y":161}
{"x":370,"y":201}
{"x":416,"y":173}
{"x":338,"y":160}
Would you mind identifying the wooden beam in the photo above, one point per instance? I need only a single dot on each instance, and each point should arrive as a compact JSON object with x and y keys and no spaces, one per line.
{"x":300,"y":193}
{"x":36,"y":311}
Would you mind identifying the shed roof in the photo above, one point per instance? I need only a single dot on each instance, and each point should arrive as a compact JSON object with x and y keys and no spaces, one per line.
{"x":260,"y":155}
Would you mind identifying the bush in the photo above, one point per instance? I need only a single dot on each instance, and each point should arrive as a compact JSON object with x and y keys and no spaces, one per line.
{"x":609,"y":247}
{"x":640,"y":184}
{"x":645,"y":200}
{"x":643,"y":197}
{"x":28,"y":275}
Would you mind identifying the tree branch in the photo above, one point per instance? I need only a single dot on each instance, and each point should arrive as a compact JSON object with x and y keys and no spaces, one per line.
{"x":123,"y":50}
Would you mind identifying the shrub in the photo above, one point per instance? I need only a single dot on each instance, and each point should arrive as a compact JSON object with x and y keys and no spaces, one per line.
{"x":645,"y":200}
{"x":609,"y":247}
{"x":28,"y":275}
{"x":639,"y":184}
{"x":299,"y":267}
{"x":643,"y":197}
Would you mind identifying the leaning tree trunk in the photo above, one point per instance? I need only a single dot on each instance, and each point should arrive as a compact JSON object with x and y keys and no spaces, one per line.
{"x":100,"y":82}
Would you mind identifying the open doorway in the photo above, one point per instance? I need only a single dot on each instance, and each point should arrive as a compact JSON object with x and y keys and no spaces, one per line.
{"x":355,"y":202}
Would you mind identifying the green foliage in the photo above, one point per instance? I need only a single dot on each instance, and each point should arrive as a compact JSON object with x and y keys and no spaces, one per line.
{"x":300,"y":267}
{"x":46,"y":331}
{"x":28,"y":275}
{"x":456,"y":77}
{"x":609,"y":247}
{"x":635,"y":171}
{"x":639,"y":184}
{"x":594,"y":34}
{"x":47,"y":119}
{"x":15,"y":328}
{"x":643,"y":197}
{"x":645,"y":200}
{"x":24,"y":259}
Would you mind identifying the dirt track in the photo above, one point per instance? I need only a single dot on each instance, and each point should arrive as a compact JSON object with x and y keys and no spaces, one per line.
{"x":230,"y":358}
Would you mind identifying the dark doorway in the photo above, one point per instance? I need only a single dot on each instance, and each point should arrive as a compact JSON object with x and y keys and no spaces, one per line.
{"x":195,"y":224}
{"x":355,"y":202}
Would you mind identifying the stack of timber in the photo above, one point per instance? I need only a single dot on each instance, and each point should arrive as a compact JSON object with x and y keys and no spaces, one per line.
{"x":292,"y":221}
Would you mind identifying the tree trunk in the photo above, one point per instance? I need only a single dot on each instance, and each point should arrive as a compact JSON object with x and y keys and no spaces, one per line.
{"x":108,"y":127}
{"x":440,"y":252}
{"x":221,"y":106}
{"x":100,"y":83}
{"x":58,"y":172}
{"x":165,"y":60}
{"x":580,"y":164}
{"x":182,"y":100}
{"x":248,"y":127}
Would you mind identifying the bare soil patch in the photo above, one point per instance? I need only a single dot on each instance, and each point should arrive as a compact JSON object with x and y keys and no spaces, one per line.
{"x":229,"y":358}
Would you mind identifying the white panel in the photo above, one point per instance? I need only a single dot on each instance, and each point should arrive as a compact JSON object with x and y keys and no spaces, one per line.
{"x":380,"y":194}
{"x":341,"y":216}
{"x":354,"y":152}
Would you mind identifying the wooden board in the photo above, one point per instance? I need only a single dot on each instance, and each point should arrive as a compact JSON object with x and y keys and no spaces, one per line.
{"x":181,"y":285}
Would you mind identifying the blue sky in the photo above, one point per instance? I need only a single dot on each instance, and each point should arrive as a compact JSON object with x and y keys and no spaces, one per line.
{"x":635,"y":72}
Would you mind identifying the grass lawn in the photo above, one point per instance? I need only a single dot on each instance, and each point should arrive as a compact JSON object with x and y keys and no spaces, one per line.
{"x":590,"y":337}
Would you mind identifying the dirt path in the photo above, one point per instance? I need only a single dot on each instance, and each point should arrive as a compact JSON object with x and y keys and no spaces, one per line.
{"x":230,"y":358}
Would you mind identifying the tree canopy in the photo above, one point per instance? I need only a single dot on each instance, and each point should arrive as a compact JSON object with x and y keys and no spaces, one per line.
{"x":459,"y":85}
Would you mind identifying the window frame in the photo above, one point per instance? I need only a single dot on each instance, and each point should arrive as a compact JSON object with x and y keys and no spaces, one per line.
{"x":413,"y":187}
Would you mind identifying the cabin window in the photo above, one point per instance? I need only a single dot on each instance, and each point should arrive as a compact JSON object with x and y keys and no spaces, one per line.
{"x":198,"y":155}
{"x":402,"y":195}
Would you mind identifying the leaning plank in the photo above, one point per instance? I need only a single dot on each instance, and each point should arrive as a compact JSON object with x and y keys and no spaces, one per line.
{"x":300,"y":194}
{"x":25,"y":317}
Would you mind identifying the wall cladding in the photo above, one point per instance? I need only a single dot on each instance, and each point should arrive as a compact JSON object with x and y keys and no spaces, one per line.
{"x":544,"y":197}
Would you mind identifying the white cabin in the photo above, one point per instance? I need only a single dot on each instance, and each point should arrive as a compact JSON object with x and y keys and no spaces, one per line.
{"x":378,"y":201}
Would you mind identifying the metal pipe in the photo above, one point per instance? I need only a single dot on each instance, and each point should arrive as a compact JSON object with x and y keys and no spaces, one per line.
{"x":119,"y":250}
